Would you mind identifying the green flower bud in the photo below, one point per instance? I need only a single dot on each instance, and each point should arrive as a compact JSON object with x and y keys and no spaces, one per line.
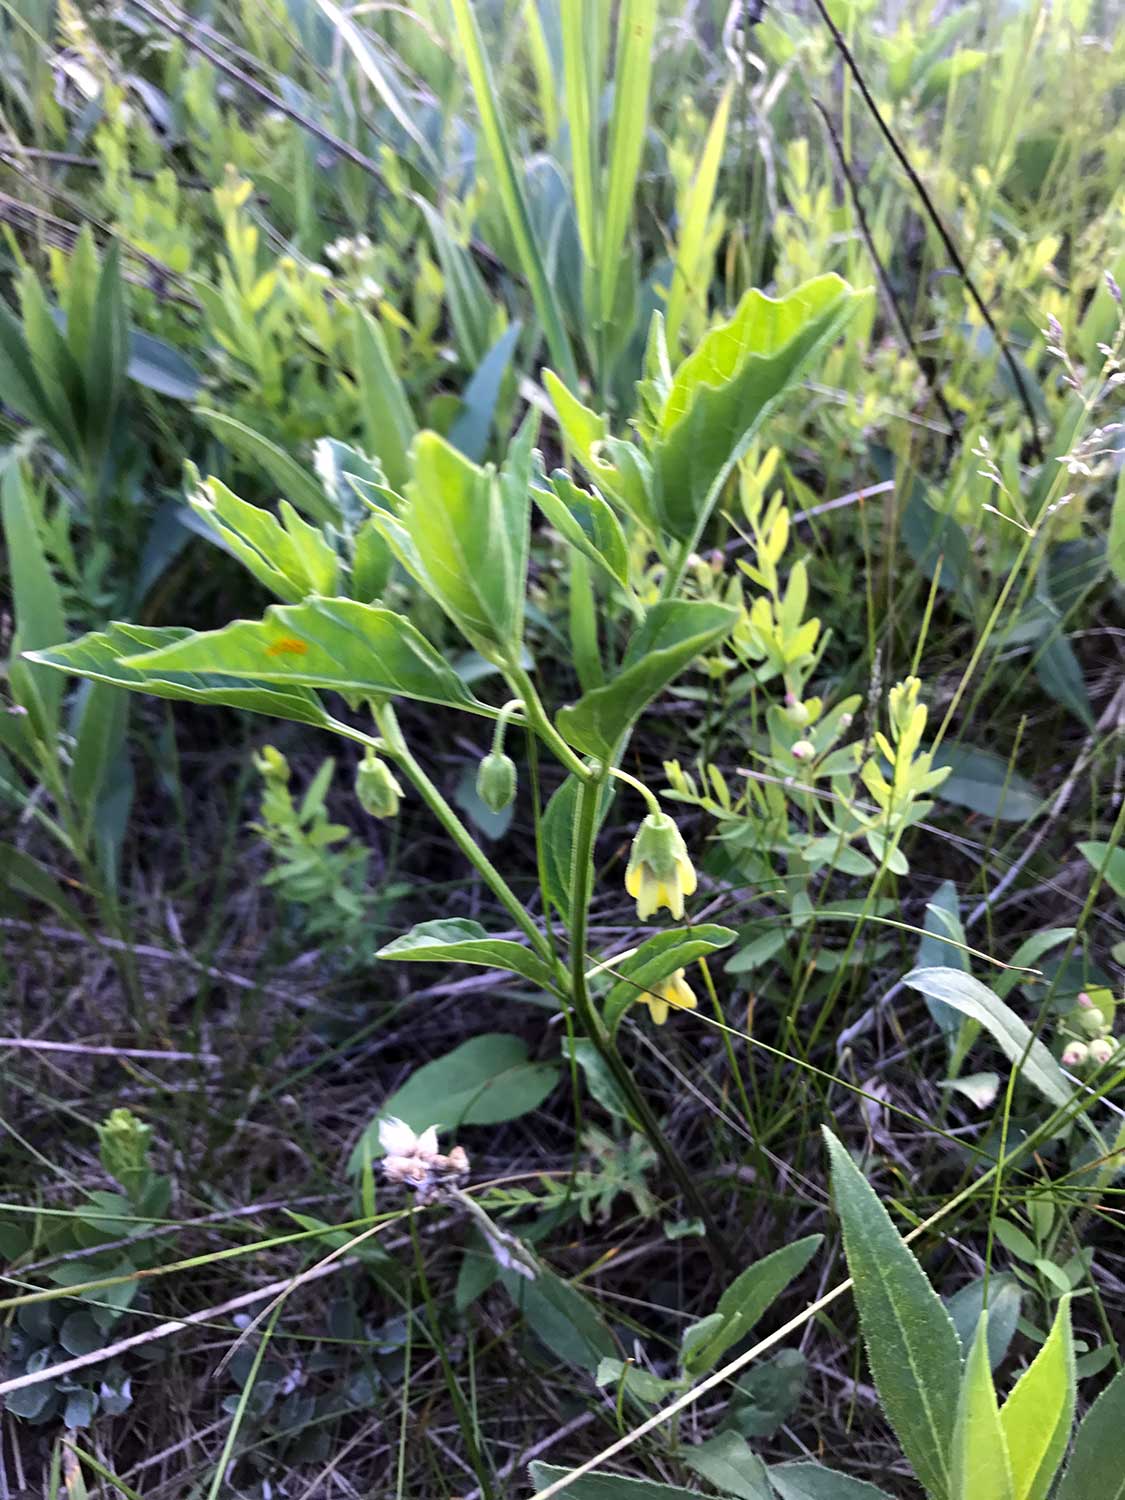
{"x":1091,"y":1022}
{"x":376,"y":789}
{"x":496,"y":781}
{"x":271,"y":764}
{"x":124,"y":1142}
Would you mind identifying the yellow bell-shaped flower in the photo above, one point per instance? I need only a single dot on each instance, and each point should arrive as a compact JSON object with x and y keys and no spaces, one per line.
{"x":673,"y":992}
{"x":660,"y":871}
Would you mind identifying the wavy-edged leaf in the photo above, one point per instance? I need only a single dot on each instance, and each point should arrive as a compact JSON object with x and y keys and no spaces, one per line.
{"x":1095,"y":1471}
{"x":971,"y":998}
{"x":981,"y":1463}
{"x":100,"y":656}
{"x":586,"y":521}
{"x":1037,"y":1416}
{"x":656,"y":959}
{"x":484,"y":1081}
{"x":608,"y":1486}
{"x":292,"y":559}
{"x":911,"y":1343}
{"x":461,"y":941}
{"x":672,"y":635}
{"x":722,"y":392}
{"x":338,"y":644}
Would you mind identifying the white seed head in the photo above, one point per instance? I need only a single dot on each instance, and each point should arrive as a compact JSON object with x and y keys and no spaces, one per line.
{"x":397,"y":1138}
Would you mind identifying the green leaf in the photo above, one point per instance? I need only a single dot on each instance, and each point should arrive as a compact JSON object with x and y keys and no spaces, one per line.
{"x":292,"y":560}
{"x":583,"y":519}
{"x":983,"y":783}
{"x":562,"y":1317}
{"x":38,"y":603}
{"x":672,"y":635}
{"x":943,"y":920}
{"x":636,"y":25}
{"x":1060,"y":673}
{"x":690,"y":276}
{"x":323,"y":643}
{"x":1037,"y":1416}
{"x":724,"y":390}
{"x":484,"y":1081}
{"x":807,"y":1481}
{"x":608,"y":1486}
{"x":1005,"y":1296}
{"x":981,"y":1465}
{"x":464,"y":535}
{"x":1099,"y":855}
{"x":472,"y":428}
{"x":557,"y":833}
{"x":388,"y":423}
{"x":466,"y":295}
{"x":30,"y":877}
{"x":99,"y":656}
{"x":458,"y":940}
{"x":730,"y":1465}
{"x":749,"y":1296}
{"x":160,"y":368}
{"x":1115,"y":541}
{"x":296,"y":483}
{"x":971,"y":998}
{"x":1095,"y":1471}
{"x":107,"y":355}
{"x":911,"y":1342}
{"x":599,"y":1080}
{"x":656,"y":959}
{"x":510,"y":189}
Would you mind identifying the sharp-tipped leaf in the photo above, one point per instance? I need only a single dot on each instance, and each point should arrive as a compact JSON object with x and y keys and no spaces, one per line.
{"x":100,"y":656}
{"x":1095,"y":1471}
{"x":673,"y":634}
{"x":911,"y":1343}
{"x":608,"y":1486}
{"x":721,"y":393}
{"x":807,"y":1481}
{"x":748,"y":1297}
{"x":296,"y":483}
{"x":981,"y":1465}
{"x":458,"y":940}
{"x":1036,"y":1417}
{"x":388,"y":423}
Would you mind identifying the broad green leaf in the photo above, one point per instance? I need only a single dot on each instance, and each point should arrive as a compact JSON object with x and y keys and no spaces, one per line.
{"x":484,"y":1081}
{"x":971,"y":998}
{"x":1060,"y":673}
{"x":636,"y":25}
{"x":981,"y":1465}
{"x":608,"y":1486}
{"x":672,"y":635}
{"x":100,"y":655}
{"x":458,"y":940}
{"x":557,"y":833}
{"x":562,"y":1316}
{"x":599,"y":1080}
{"x":910,"y":1339}
{"x":729,"y":1465}
{"x":1099,"y":855}
{"x":984,"y":783}
{"x":323,"y":643}
{"x":388,"y":423}
{"x":1005,"y":1296}
{"x":808,"y":1481}
{"x":464,"y":535}
{"x":107,"y":355}
{"x":749,"y":1296}
{"x":582,"y":518}
{"x":1095,"y":1471}
{"x":510,"y":189}
{"x":292,"y":560}
{"x":723,"y":391}
{"x":585,"y":431}
{"x":1037,"y":1416}
{"x":295,"y":482}
{"x":38,"y":603}
{"x":656,"y":959}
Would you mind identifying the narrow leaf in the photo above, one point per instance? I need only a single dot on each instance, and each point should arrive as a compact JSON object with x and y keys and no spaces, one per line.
{"x":981,"y":1465}
{"x":1037,"y":1416}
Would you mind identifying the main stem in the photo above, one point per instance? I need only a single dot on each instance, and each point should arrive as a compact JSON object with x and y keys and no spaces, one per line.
{"x":595,"y":1027}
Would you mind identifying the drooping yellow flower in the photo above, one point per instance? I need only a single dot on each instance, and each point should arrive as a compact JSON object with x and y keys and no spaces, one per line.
{"x":660,"y":871}
{"x":671,"y":992}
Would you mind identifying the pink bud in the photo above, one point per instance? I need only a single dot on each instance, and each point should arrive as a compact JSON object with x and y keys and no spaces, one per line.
{"x":803,"y":750}
{"x":1084,"y":1000}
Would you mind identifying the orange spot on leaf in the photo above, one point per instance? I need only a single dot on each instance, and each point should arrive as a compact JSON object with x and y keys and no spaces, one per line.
{"x":287,"y":645}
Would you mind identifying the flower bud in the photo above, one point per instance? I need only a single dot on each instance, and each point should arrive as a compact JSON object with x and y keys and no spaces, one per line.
{"x":1084,"y":1001}
{"x":1091,"y":1023}
{"x":376,"y":789}
{"x":1075,"y":1054}
{"x":660,"y":871}
{"x":270,"y":763}
{"x":496,"y":781}
{"x":123,"y":1141}
{"x":795,"y":711}
{"x":803,"y":750}
{"x":1101,"y":1051}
